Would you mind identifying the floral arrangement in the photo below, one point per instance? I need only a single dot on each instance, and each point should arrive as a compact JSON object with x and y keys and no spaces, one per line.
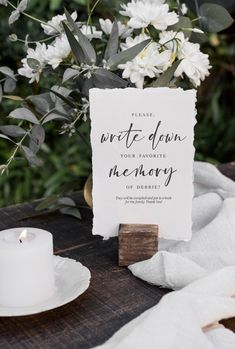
{"x":155,"y":43}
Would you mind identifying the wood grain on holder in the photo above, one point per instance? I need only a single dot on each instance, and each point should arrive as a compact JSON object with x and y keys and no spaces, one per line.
{"x":137,"y":242}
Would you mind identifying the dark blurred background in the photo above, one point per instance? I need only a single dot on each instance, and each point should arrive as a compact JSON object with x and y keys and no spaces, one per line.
{"x":67,"y":160}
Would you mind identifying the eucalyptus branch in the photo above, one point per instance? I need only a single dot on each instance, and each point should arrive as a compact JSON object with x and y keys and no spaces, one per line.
{"x":197,"y":7}
{"x":91,"y":11}
{"x":174,"y":39}
{"x":76,"y":120}
{"x":3,"y":79}
{"x":12,"y":157}
{"x":35,"y":42}
{"x":196,"y":19}
{"x":32,"y":17}
{"x":48,"y":113}
{"x":6,"y":77}
{"x":20,"y":143}
{"x":88,"y":7}
{"x":84,"y":139}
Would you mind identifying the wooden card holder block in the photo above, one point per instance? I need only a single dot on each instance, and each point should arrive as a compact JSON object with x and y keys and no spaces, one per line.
{"x":137,"y":242}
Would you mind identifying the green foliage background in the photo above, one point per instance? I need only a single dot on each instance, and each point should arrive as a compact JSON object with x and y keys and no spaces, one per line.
{"x":67,"y":160}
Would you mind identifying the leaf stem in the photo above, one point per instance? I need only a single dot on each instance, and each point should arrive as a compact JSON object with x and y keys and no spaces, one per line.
{"x":91,"y":11}
{"x":34,"y":42}
{"x":48,"y":113}
{"x":32,"y":17}
{"x":196,"y":19}
{"x":19,"y":144}
{"x":83,"y":138}
{"x":7,"y":76}
{"x":197,"y":8}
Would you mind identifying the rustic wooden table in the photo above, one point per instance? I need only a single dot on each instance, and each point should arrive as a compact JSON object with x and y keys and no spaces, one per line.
{"x":113,"y":298}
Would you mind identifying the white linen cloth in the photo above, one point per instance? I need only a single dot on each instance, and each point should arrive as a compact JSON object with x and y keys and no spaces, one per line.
{"x":213,"y":242}
{"x":177,"y":321}
{"x":204,"y":270}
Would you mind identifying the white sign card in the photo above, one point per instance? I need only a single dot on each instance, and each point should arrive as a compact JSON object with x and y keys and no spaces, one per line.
{"x":142,"y":145}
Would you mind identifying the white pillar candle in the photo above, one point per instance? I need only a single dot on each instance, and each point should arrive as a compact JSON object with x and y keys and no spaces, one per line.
{"x":26,"y":267}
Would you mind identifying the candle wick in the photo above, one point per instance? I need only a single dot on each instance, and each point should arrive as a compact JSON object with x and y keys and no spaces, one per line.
{"x":20,"y":241}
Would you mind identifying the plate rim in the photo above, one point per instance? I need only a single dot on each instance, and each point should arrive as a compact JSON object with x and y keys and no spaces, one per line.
{"x":43,"y":307}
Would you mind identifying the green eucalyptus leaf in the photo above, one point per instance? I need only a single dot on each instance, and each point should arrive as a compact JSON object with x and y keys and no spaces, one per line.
{"x":106,"y":79}
{"x":33,"y":63}
{"x":31,"y":157}
{"x":199,"y":38}
{"x":65,"y":99}
{"x":69,"y":74}
{"x":87,"y":85}
{"x":66,"y":201}
{"x":61,"y":90}
{"x":183,"y":24}
{"x":5,"y":137}
{"x":53,"y":116}
{"x":9,"y":85}
{"x":71,"y":211}
{"x":12,"y":130}
{"x":22,"y":5}
{"x":165,"y":79}
{"x":40,"y":103}
{"x":14,"y":98}
{"x":75,"y":46}
{"x":113,"y":43}
{"x":47,"y":203}
{"x":87,"y":48}
{"x":215,"y":18}
{"x":37,"y":137}
{"x":3,"y":169}
{"x":15,"y":15}
{"x":46,"y":96}
{"x":7,"y":71}
{"x":24,"y":114}
{"x":127,"y":55}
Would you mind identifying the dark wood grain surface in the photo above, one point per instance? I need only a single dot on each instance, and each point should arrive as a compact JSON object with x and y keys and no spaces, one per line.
{"x":113,"y":298}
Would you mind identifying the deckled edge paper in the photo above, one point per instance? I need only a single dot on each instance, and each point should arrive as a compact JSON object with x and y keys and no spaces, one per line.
{"x":108,"y":215}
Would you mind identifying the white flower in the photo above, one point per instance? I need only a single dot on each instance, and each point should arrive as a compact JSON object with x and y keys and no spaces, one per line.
{"x":144,"y":13}
{"x":195,"y":64}
{"x":3,"y":2}
{"x":133,"y":41}
{"x":39,"y":54}
{"x":54,"y":26}
{"x":184,"y":9}
{"x":58,"y":51}
{"x":158,"y":2}
{"x":172,"y":40}
{"x":91,"y":32}
{"x":107,"y":26}
{"x":149,"y":63}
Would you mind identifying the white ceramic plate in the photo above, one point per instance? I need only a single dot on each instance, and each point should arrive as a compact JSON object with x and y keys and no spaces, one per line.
{"x":71,"y":278}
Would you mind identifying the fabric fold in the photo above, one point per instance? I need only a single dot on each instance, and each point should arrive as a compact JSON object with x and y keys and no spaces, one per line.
{"x":179,"y":319}
{"x":202,"y":271}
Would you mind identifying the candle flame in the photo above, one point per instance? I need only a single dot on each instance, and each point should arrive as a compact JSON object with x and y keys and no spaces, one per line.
{"x":23,"y":235}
